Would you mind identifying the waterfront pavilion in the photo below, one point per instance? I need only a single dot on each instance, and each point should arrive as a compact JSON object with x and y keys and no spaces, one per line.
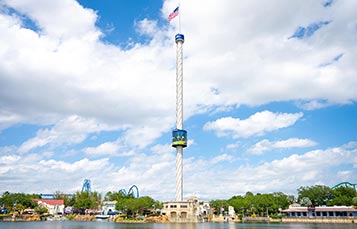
{"x":297,"y":211}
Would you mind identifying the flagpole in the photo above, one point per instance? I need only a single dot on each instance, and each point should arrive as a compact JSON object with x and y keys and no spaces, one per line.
{"x":179,"y":18}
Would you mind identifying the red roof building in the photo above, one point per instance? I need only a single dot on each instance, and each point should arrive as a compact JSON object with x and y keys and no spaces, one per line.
{"x":55,"y":207}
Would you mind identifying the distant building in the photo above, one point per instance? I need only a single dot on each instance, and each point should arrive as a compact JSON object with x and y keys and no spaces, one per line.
{"x":231,"y":212}
{"x":296,"y":211}
{"x":55,"y":207}
{"x":108,"y":207}
{"x":68,"y":210}
{"x":182,"y":211}
{"x":205,"y":208}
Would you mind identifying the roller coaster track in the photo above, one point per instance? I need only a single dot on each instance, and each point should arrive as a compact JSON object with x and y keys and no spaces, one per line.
{"x":131,"y":191}
{"x":345,"y":184}
{"x":86,"y":186}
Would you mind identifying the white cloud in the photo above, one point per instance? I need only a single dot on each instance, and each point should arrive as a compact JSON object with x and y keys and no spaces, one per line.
{"x":266,"y":145}
{"x":257,"y":124}
{"x":154,"y":174}
{"x":287,"y":174}
{"x":9,"y":159}
{"x":63,"y":77}
{"x":222,"y":158}
{"x":69,"y":131}
{"x":312,"y":104}
{"x":109,"y":148}
{"x":81,"y":165}
{"x":55,"y":17}
{"x":70,"y":69}
{"x":64,"y":69}
{"x":7,"y":119}
{"x":68,"y":176}
{"x":106,"y":148}
{"x":233,"y":145}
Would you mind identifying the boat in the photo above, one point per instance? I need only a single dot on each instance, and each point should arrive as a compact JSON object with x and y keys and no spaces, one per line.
{"x":102,"y":216}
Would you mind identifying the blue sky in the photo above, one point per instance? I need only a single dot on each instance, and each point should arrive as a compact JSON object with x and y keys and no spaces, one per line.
{"x":87,"y":91}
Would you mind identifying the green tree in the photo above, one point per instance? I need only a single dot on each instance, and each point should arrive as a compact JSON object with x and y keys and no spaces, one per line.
{"x":291,"y":199}
{"x":69,"y":200}
{"x":20,"y":208}
{"x":111,"y":196}
{"x":305,"y":201}
{"x":318,"y":194}
{"x":354,"y":202}
{"x":218,"y":205}
{"x":342,"y":196}
{"x":41,"y":210}
{"x":135,"y":206}
{"x":10,"y":200}
{"x":281,"y":200}
{"x":87,"y":200}
{"x":158,"y":205}
{"x":260,"y":204}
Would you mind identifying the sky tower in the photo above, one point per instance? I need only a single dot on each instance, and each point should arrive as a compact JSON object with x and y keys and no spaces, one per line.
{"x":179,"y":135}
{"x":180,"y":210}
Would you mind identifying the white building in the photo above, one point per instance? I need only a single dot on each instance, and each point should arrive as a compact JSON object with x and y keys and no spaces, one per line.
{"x":297,"y":211}
{"x":182,"y":211}
{"x":231,"y":212}
{"x":108,"y":207}
{"x":205,"y":208}
{"x":54,"y":207}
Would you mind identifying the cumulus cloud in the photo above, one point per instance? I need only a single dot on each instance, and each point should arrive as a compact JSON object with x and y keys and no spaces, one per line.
{"x":67,"y":62}
{"x":115,"y":148}
{"x":266,"y":145}
{"x":233,"y":145}
{"x":257,"y":124}
{"x":107,"y":148}
{"x":209,"y":178}
{"x":62,"y":77}
{"x":55,"y":19}
{"x":286,"y":174}
{"x":69,"y":131}
{"x":78,"y":74}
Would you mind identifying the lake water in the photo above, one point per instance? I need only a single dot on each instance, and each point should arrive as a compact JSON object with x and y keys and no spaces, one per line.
{"x":110,"y":225}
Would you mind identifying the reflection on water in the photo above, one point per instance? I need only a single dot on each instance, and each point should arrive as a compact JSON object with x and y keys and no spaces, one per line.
{"x":109,"y":225}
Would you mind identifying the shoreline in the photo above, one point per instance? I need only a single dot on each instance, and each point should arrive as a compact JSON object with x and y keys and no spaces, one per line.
{"x":148,"y":220}
{"x":320,"y":220}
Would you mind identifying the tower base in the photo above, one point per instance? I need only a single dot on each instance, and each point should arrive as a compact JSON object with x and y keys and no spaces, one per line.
{"x":183,"y":211}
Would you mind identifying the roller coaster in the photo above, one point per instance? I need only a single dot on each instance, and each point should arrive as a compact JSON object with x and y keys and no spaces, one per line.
{"x":86,"y":186}
{"x":345,"y":184}
{"x":131,"y":191}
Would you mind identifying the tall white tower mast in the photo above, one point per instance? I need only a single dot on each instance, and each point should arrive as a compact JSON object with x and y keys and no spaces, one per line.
{"x":179,"y":135}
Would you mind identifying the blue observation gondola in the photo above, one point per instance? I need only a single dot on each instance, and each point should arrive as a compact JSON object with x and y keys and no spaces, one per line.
{"x":179,"y":138}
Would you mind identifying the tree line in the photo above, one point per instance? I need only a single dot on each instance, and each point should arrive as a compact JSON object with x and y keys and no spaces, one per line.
{"x":126,"y":203}
{"x":245,"y":205}
{"x":80,"y":202}
{"x":272,"y":203}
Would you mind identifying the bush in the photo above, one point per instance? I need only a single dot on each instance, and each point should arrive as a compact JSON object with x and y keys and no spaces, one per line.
{"x":70,"y":216}
{"x":276,"y":216}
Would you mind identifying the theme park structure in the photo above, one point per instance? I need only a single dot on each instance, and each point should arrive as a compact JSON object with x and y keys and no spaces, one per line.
{"x":86,"y":187}
{"x":180,"y":210}
{"x":179,"y":135}
{"x":133,"y":191}
{"x":346,"y":184}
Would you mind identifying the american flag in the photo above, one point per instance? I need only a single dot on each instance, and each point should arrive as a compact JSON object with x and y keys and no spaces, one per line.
{"x":173,"y":14}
